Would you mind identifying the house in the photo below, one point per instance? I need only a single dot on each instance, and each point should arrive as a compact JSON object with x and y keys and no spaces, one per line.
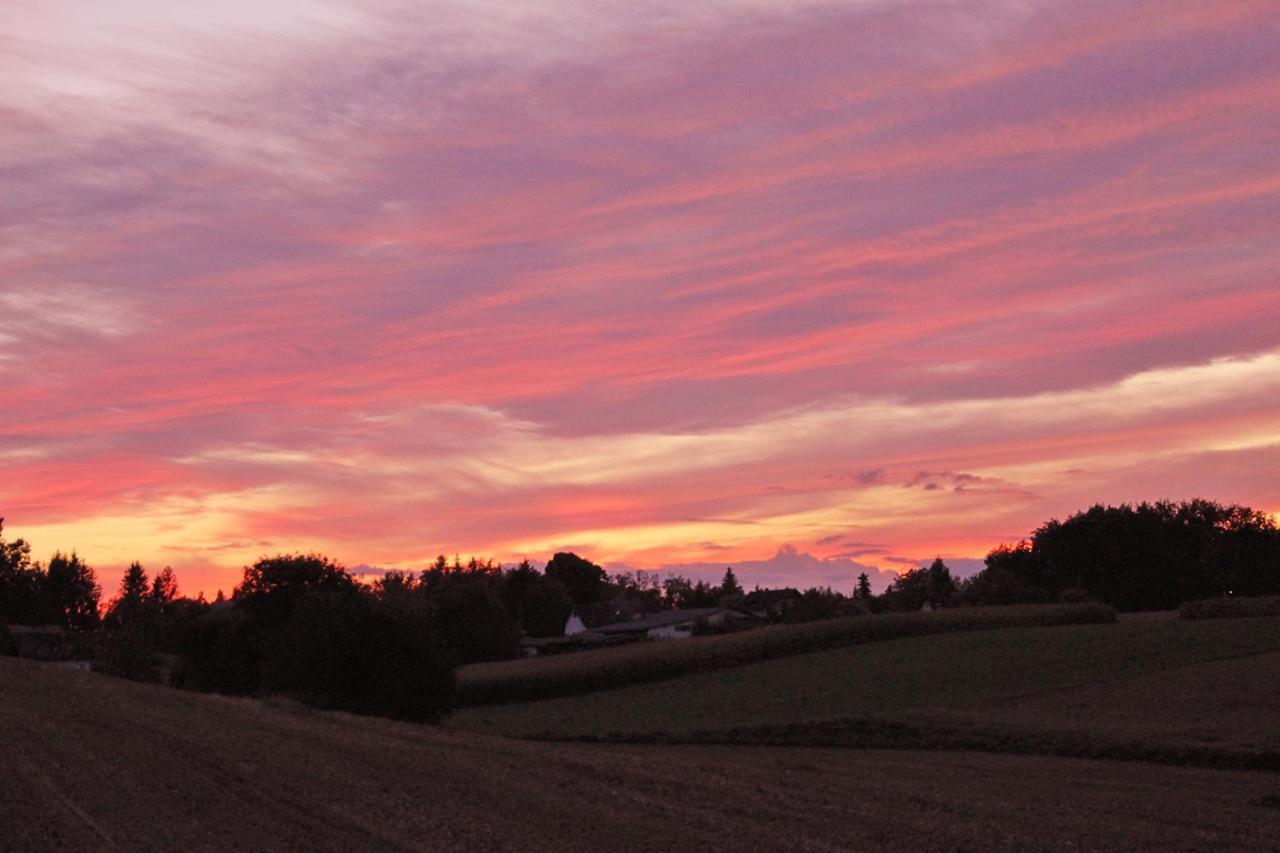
{"x":40,"y":642}
{"x":663,"y":625}
{"x":667,"y":624}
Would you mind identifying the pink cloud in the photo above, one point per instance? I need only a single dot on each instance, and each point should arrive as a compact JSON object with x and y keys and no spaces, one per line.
{"x":637,"y":282}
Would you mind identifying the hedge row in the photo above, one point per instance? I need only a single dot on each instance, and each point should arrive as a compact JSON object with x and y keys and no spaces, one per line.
{"x":602,"y":669}
{"x":1231,"y":608}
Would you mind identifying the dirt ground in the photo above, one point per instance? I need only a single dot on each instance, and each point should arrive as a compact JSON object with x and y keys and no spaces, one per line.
{"x":90,"y":763}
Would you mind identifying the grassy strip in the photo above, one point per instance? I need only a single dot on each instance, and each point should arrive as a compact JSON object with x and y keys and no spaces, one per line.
{"x":1230,"y":608}
{"x":876,"y":733}
{"x":603,"y":669}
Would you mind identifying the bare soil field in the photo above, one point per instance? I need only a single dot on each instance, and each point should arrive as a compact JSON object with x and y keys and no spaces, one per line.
{"x":91,"y":763}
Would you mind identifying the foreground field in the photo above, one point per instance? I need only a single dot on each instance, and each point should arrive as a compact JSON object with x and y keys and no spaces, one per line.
{"x":88,"y":763}
{"x":1204,"y":692}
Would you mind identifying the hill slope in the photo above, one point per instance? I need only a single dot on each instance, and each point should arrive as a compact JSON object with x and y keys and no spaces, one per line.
{"x":90,"y":763}
{"x":1198,"y":692}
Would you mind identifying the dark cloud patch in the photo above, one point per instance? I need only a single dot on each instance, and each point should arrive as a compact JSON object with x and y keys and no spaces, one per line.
{"x":861,"y":476}
{"x":961,"y":483}
{"x":224,"y":546}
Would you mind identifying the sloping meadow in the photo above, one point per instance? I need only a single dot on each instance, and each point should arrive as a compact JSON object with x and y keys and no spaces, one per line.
{"x":1231,"y":608}
{"x":603,"y":669}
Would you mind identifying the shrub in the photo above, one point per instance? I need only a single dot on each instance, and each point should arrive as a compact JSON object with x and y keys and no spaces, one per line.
{"x":216,"y":653}
{"x":601,"y":669}
{"x":127,"y":653}
{"x":339,"y":648}
{"x":352,"y":653}
{"x":1230,"y":608}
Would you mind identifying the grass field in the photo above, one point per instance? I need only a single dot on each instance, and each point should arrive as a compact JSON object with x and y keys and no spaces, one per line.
{"x":583,"y":672}
{"x":1183,"y":691}
{"x":1231,"y":608}
{"x":91,"y":763}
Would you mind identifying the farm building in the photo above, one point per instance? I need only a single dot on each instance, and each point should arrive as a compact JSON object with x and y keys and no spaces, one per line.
{"x":40,"y":642}
{"x":664,"y":625}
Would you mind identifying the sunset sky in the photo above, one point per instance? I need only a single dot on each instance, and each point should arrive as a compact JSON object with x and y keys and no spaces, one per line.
{"x":799,"y":287}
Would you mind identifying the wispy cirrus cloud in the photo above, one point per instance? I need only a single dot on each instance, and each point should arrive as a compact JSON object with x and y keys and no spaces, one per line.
{"x":387,"y":279}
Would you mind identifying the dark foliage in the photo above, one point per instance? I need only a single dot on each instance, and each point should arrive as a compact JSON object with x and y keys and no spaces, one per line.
{"x":72,"y":593}
{"x":730,"y":589}
{"x":583,"y":578}
{"x":128,"y":651}
{"x":22,"y":586}
{"x":217,"y":653}
{"x":128,"y":644}
{"x":1152,"y":556}
{"x":347,"y":650}
{"x":681,"y":593}
{"x":273,"y":586}
{"x":473,"y":623}
{"x":933,"y":586}
{"x":539,"y":605}
{"x":64,"y":593}
{"x":302,"y":626}
{"x":817,"y":603}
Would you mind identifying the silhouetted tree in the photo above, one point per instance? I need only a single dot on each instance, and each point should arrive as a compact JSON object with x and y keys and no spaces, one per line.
{"x":126,"y":646}
{"x":730,"y":589}
{"x":816,"y":603}
{"x":642,"y":591}
{"x":583,"y":578}
{"x":72,"y":592}
{"x":540,"y":605}
{"x":164,"y":587}
{"x":395,"y":583}
{"x":1151,"y":556}
{"x":863,"y":590}
{"x":134,"y":596}
{"x":932,"y":585}
{"x":350,"y":651}
{"x":301,"y":625}
{"x":22,"y":583}
{"x":681,"y":593}
{"x":273,"y":586}
{"x":473,"y":624}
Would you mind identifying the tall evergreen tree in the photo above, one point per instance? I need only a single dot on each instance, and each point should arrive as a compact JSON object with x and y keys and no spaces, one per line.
{"x":73,"y":593}
{"x":729,"y":586}
{"x":22,"y":583}
{"x":164,"y":587}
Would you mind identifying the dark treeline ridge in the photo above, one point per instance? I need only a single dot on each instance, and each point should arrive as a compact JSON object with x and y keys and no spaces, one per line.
{"x":1152,"y":556}
{"x":302,"y":626}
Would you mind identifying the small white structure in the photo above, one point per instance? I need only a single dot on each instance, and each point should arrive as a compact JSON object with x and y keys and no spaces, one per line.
{"x":667,"y":624}
{"x":574,"y":625}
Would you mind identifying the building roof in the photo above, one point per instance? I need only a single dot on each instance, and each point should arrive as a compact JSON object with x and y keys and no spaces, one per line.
{"x":45,"y":630}
{"x":659,"y":620}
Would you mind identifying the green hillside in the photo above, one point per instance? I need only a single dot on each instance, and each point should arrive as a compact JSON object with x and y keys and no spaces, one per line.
{"x":1207,"y":692}
{"x":601,"y":669}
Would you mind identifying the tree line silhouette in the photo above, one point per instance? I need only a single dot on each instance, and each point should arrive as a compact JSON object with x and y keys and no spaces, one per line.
{"x":301,"y":625}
